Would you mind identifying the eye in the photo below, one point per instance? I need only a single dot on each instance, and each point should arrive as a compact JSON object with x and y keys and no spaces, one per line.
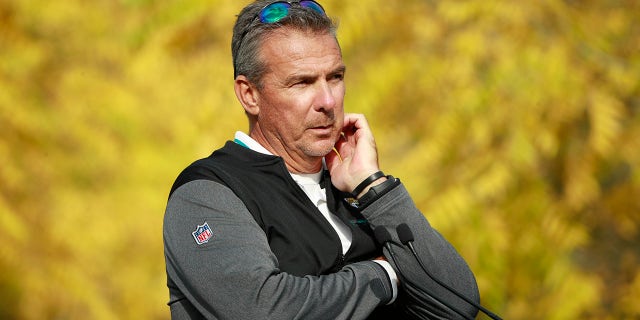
{"x":301,"y":83}
{"x":337,"y":77}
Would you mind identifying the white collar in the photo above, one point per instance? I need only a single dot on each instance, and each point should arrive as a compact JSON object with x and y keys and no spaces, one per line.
{"x":248,"y":142}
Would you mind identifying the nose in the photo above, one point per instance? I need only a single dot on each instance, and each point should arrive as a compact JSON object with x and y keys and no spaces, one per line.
{"x":325,"y":97}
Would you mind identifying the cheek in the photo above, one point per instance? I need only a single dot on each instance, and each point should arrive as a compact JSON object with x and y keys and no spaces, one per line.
{"x":290,"y":121}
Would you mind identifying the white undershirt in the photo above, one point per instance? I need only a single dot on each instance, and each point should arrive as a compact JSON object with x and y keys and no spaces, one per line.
{"x":310,"y":184}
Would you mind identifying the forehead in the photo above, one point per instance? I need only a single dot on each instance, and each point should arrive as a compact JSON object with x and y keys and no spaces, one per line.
{"x":288,"y":51}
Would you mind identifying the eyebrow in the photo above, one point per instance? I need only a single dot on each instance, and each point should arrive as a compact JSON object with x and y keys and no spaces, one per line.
{"x":306,"y":76}
{"x":340,"y":69}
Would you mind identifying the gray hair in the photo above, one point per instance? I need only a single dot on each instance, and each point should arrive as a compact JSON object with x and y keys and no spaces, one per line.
{"x":249,"y":32}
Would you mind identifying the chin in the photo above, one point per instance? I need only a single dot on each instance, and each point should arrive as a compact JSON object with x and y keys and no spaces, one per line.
{"x":317,"y":152}
{"x":319,"y":146}
{"x":318,"y":149}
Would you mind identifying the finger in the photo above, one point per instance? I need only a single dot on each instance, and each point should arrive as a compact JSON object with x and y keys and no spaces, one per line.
{"x":342,"y":150}
{"x":332,"y":159}
{"x":352,"y":122}
{"x":357,"y":125}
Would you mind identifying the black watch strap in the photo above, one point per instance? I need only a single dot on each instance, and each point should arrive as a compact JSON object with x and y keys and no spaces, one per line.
{"x":366,"y":182}
{"x":377,"y":191}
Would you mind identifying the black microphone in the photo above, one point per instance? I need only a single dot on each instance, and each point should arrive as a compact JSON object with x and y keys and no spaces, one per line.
{"x":405,"y":234}
{"x":406,"y":237}
{"x":384,"y":237}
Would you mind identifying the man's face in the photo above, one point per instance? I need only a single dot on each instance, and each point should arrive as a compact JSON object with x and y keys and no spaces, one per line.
{"x":301,"y":99}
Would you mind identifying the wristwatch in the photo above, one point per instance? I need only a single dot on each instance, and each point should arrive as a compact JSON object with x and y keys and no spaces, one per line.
{"x":376,"y":192}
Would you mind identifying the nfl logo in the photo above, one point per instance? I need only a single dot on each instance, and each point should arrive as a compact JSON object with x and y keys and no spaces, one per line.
{"x":202,"y":234}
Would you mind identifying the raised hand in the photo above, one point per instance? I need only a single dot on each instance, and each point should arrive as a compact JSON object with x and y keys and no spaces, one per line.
{"x":355,"y":155}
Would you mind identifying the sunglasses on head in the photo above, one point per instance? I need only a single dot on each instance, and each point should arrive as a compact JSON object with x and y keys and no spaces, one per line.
{"x":276,"y":11}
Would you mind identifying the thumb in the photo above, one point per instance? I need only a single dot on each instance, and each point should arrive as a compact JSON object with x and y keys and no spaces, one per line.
{"x":332,"y":159}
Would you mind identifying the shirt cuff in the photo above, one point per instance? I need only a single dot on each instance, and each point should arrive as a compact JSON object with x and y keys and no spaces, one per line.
{"x":392,"y":276}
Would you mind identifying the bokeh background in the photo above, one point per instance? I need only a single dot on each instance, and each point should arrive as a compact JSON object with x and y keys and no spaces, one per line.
{"x":514,"y":124}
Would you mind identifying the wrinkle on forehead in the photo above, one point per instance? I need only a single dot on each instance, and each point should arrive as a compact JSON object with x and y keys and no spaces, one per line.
{"x":290,"y":50}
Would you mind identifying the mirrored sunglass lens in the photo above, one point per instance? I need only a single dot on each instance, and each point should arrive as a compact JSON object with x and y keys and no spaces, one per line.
{"x":274,"y":12}
{"x":312,"y":5}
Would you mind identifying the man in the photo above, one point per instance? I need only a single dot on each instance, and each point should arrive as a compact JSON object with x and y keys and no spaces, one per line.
{"x":278,"y":224}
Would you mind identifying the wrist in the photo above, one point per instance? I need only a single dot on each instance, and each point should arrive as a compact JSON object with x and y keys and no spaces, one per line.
{"x":367,"y":183}
{"x":376,"y":191}
{"x":371,"y":185}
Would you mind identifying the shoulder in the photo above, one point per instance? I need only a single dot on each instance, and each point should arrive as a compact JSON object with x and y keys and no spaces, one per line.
{"x":203,"y":169}
{"x":205,"y":194}
{"x":208,"y":168}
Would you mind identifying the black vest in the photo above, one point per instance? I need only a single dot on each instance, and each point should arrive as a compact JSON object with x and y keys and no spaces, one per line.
{"x":299,"y":235}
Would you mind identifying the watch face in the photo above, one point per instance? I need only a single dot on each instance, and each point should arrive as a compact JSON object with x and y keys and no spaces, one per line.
{"x":353,"y":202}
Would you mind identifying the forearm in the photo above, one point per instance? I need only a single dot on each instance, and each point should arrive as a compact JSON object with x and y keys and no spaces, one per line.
{"x":439,"y":256}
{"x":236,"y":276}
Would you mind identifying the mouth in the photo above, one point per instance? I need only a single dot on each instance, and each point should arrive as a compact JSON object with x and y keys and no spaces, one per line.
{"x":323,"y":130}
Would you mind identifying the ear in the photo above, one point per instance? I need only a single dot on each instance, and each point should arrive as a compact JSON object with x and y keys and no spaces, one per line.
{"x":247,"y":94}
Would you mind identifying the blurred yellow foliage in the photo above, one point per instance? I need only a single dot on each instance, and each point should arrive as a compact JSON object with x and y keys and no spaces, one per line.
{"x":515,"y":126}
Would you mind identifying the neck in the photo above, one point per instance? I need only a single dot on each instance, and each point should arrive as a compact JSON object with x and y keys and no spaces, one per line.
{"x":296,"y":162}
{"x":298,"y":169}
